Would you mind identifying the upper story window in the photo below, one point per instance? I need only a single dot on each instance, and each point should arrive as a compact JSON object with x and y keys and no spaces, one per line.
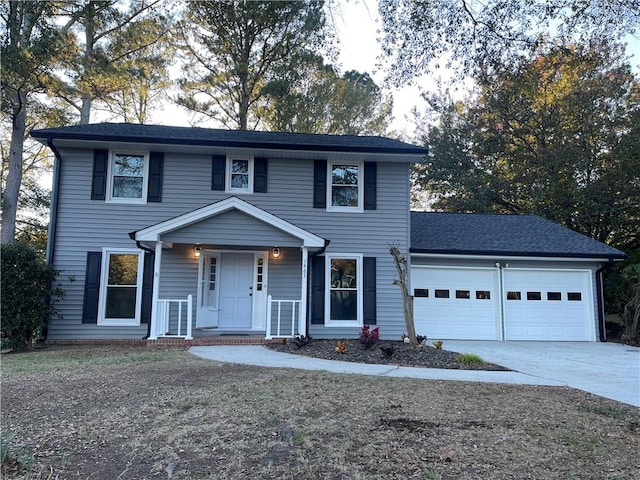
{"x":128,"y":173}
{"x":344,"y":187}
{"x":239,"y":174}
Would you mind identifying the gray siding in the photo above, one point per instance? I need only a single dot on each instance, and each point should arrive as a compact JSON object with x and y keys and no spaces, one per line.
{"x":232,"y":228}
{"x":88,"y":225}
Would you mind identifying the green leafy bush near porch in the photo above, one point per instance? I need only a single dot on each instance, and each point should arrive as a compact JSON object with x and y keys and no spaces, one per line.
{"x":27,"y":297}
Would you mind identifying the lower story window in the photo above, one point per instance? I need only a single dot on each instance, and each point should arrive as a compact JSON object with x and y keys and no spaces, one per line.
{"x":121,"y":291}
{"x":345,"y":292}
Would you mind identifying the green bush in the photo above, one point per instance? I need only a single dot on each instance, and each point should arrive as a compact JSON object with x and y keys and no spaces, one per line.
{"x":27,"y":296}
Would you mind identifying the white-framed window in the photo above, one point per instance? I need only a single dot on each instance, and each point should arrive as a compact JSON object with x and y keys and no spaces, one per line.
{"x":239,"y":174}
{"x":343,"y":290}
{"x":120,"y":287}
{"x":345,"y":186}
{"x":128,"y":175}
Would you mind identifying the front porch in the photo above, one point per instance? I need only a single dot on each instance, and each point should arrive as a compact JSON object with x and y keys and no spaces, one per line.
{"x":228,"y":268}
{"x":174,"y":319}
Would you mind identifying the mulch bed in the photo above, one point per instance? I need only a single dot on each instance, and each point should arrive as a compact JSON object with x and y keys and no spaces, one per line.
{"x":404,"y":354}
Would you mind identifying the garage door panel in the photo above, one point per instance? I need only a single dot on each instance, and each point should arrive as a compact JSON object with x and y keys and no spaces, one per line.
{"x":549,"y":318}
{"x":456,"y":318}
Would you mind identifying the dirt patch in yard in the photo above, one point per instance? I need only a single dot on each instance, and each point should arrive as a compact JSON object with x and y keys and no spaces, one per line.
{"x":140,"y":413}
{"x":384,"y":352}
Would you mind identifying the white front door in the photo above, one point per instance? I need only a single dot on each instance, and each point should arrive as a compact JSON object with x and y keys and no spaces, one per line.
{"x":208,"y":291}
{"x":236,"y":291}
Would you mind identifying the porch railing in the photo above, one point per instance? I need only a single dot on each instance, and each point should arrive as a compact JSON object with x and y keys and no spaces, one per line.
{"x":283,"y":317}
{"x":170,"y":318}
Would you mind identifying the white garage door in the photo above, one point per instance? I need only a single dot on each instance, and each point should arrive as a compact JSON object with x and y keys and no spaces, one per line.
{"x":456,"y":303}
{"x":548,"y":305}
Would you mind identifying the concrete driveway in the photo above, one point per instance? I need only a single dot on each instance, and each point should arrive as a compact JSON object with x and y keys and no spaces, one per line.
{"x":610,"y":370}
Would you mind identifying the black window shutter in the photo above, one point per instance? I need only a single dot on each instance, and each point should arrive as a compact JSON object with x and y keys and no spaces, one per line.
{"x":260,"y":175}
{"x":156,"y":167}
{"x":370,"y":185}
{"x":92,"y":288}
{"x":99,"y":182}
{"x":147,"y":287}
{"x":320,"y":184}
{"x":369,"y":290}
{"x":317,"y":290}
{"x":218,"y":167}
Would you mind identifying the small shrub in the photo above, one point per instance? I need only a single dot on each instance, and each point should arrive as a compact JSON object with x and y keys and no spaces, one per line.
{"x":341,"y":347}
{"x":437,"y":344}
{"x":421,"y":339}
{"x":27,"y":296}
{"x":301,"y":341}
{"x":387,"y":352}
{"x":469,"y":359}
{"x":369,"y":337}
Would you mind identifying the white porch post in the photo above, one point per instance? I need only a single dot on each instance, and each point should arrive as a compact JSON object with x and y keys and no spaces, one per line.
{"x":157,"y":261}
{"x":302,"y":321}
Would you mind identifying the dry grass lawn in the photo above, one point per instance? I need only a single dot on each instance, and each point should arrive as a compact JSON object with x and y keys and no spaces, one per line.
{"x":141,"y":413}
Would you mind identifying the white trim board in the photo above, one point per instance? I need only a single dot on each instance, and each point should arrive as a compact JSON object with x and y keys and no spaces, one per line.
{"x":154,"y":232}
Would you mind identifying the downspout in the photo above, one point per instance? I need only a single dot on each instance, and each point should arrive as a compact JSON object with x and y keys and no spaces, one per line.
{"x":53,"y":209}
{"x":311,"y":255}
{"x":132,"y":236}
{"x":53,"y":220}
{"x":600,"y":300}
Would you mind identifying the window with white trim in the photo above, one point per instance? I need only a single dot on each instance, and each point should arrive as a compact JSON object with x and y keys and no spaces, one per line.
{"x":121,"y":287}
{"x":239,"y":174}
{"x":128,"y":177}
{"x":344,"y":290}
{"x":344,"y":186}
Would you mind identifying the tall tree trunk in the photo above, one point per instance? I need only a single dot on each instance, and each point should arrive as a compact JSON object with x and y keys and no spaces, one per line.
{"x":14,"y":172}
{"x":402,"y":266}
{"x":85,"y":110}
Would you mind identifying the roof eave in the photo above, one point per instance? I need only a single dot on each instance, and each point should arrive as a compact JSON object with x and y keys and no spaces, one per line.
{"x":532,"y":254}
{"x":415,"y":151}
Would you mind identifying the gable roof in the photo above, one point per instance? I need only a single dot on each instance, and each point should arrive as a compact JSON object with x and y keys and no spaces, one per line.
{"x":166,"y":135}
{"x":512,"y":235}
{"x":153,"y":233}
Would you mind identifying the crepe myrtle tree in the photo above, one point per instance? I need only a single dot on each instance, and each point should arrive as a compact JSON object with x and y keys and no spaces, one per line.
{"x":402,"y":266}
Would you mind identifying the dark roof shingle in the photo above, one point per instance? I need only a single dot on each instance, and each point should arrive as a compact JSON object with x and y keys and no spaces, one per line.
{"x":161,"y":134}
{"x":490,"y":234}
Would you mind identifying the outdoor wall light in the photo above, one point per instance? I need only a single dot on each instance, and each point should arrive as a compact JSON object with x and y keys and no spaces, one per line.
{"x":196,"y":251}
{"x":275,"y":252}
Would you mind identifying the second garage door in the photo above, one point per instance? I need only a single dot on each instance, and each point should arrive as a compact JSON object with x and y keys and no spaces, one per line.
{"x":456,"y":303}
{"x":548,"y":305}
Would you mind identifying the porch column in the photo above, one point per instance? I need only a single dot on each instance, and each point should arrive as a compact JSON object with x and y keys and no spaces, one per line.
{"x":302,"y":321}
{"x":157,"y":261}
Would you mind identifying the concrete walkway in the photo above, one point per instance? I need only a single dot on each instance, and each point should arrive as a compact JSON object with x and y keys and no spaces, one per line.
{"x":609,"y":370}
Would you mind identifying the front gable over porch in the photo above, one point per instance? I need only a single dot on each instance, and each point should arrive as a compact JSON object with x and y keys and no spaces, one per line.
{"x":228,"y":277}
{"x":229,"y":222}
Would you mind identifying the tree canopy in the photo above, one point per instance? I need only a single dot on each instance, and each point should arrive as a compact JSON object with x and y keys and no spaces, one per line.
{"x":315,"y":98}
{"x":420,"y":36}
{"x":557,"y":135}
{"x":234,"y":49}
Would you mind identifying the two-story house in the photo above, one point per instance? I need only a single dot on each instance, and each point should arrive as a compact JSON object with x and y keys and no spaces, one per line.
{"x":188,"y":232}
{"x":171,"y":231}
